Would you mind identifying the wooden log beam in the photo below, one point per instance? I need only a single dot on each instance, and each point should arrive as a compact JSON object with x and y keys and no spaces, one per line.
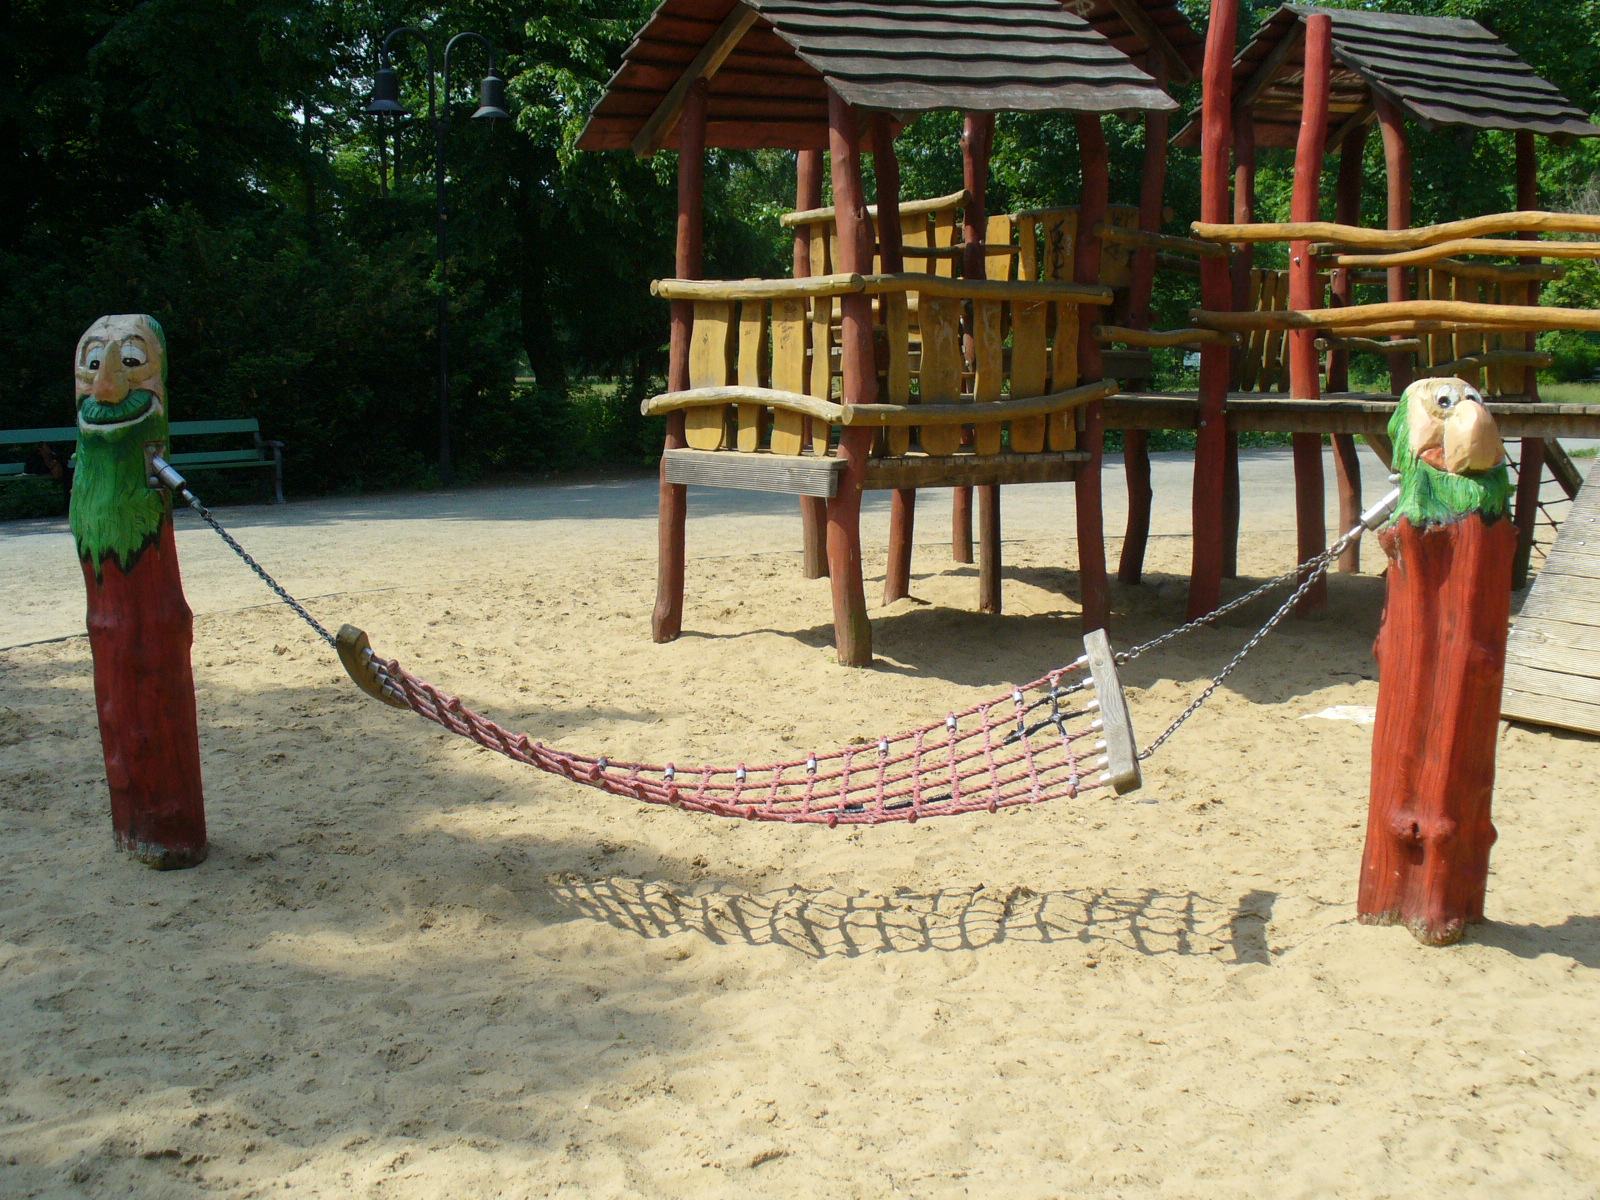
{"x":1216,"y":289}
{"x":1530,"y":474}
{"x":1495,"y":358}
{"x":908,"y":208}
{"x":1503,"y":317}
{"x":903,"y":507}
{"x":666,"y":621}
{"x":1401,"y":239}
{"x":1428,"y":255}
{"x":849,"y":283}
{"x":1162,"y":339}
{"x":1305,"y":374}
{"x":1365,"y":345}
{"x":1158,"y":241}
{"x":791,"y":434}
{"x":1089,"y":487}
{"x":1135,"y":17}
{"x":659,"y":125}
{"x":881,"y":416}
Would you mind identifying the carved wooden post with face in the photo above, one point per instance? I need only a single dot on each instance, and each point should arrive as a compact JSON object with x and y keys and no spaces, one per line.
{"x":140,"y":626}
{"x":1441,"y":660}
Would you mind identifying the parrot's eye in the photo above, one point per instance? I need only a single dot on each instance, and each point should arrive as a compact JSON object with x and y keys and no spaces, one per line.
{"x":1447,"y":401}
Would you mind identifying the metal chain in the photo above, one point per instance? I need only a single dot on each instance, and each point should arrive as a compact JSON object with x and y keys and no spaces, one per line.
{"x":205,"y":515}
{"x":1316,"y":568}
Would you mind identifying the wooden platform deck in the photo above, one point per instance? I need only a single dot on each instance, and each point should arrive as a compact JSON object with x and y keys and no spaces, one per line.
{"x":1338,"y":412}
{"x":1553,"y":659}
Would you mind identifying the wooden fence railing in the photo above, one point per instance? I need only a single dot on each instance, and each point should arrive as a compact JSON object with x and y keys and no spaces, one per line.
{"x":762,"y":370}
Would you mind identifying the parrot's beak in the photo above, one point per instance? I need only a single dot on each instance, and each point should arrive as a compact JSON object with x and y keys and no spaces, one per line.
{"x":1471,"y":439}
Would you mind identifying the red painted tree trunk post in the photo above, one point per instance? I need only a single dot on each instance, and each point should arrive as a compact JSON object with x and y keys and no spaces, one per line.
{"x":891,"y":256}
{"x":977,"y":143}
{"x":1141,"y":287}
{"x":667,"y":621}
{"x":1346,"y":462}
{"x":1530,"y":467}
{"x":852,"y":631}
{"x":140,"y":626}
{"x":1441,"y":662}
{"x":813,"y":509}
{"x":1244,"y":257}
{"x":1397,"y":160}
{"x":1087,"y":488}
{"x":1216,"y":293}
{"x":1305,"y":378}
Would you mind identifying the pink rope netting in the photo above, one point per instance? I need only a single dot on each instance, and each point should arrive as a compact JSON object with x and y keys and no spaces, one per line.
{"x":1038,"y":743}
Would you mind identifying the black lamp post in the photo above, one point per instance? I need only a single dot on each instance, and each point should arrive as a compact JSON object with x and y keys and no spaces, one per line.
{"x":491,"y":106}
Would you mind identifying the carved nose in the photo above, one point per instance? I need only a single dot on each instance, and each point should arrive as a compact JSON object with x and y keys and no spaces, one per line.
{"x":110,"y":381}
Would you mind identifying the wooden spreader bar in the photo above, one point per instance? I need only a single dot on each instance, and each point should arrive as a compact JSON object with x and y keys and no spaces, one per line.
{"x":1398,"y":239}
{"x":1122,"y":749}
{"x":785,"y":474}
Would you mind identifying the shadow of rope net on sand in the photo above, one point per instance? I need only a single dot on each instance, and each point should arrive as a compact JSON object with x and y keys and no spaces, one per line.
{"x":829,"y":922}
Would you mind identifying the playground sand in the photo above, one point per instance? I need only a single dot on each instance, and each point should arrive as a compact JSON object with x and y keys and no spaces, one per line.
{"x":413,"y":969}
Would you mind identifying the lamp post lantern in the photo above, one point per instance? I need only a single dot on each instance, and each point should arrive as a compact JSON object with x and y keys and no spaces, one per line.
{"x":491,"y":106}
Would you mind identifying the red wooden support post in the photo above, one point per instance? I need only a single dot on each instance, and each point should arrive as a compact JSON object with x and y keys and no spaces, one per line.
{"x":1397,"y":159}
{"x":1305,"y":379}
{"x":891,"y":256}
{"x":1136,"y":442}
{"x":1530,"y":467}
{"x":1347,"y":463}
{"x":852,"y":631}
{"x":1216,"y":293}
{"x":140,"y":626}
{"x":977,"y":142}
{"x":813,"y":509}
{"x":1441,"y":662}
{"x":1244,"y":257}
{"x":667,"y":622}
{"x":1096,"y":160}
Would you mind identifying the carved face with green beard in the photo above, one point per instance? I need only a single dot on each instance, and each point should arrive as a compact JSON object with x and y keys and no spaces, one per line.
{"x":121,"y":381}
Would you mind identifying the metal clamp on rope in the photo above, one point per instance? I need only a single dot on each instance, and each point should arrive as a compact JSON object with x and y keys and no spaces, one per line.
{"x":164,"y":475}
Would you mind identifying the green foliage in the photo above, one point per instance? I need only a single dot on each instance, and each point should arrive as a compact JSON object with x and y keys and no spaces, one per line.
{"x":208,"y":163}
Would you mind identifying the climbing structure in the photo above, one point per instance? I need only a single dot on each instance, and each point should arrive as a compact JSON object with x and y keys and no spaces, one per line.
{"x":1318,"y":79}
{"x":919,"y":345}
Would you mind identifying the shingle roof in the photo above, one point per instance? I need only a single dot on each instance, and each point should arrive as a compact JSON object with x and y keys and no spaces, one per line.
{"x":1440,"y":70}
{"x":1121,"y":21}
{"x":904,"y":56}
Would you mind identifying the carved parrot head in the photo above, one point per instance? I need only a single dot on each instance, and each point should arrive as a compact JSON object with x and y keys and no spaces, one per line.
{"x":1448,"y":454}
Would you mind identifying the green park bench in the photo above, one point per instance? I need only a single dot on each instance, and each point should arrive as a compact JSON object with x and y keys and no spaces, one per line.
{"x":263,"y":454}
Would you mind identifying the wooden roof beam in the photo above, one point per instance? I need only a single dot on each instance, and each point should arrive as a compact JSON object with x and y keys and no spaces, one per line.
{"x":660,"y":124}
{"x":1135,"y":18}
{"x":1269,"y":68}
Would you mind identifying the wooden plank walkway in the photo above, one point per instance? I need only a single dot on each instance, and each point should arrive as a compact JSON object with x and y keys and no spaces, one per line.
{"x":1553,"y":659}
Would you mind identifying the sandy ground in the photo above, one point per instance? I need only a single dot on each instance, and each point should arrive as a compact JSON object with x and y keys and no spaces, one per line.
{"x":413,"y":969}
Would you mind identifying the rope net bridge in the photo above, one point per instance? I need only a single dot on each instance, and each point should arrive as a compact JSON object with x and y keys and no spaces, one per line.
{"x":1065,"y":735}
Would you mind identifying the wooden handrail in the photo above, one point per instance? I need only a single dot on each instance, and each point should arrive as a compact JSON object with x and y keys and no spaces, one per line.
{"x":1163,"y":338}
{"x":883,"y":415}
{"x":1496,"y":358}
{"x":1506,"y":318}
{"x":1399,"y":239}
{"x":1328,"y":256}
{"x":1462,"y":269}
{"x":1370,"y":345}
{"x":879,"y":285}
{"x":1107,"y":232}
{"x":908,"y":208}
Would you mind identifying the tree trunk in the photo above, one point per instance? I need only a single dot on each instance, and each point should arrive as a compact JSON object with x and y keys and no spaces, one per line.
{"x":1441,"y":659}
{"x":140,"y":631}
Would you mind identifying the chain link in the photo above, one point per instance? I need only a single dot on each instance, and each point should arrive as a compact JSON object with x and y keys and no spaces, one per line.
{"x":1315,"y":569}
{"x":205,"y":515}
